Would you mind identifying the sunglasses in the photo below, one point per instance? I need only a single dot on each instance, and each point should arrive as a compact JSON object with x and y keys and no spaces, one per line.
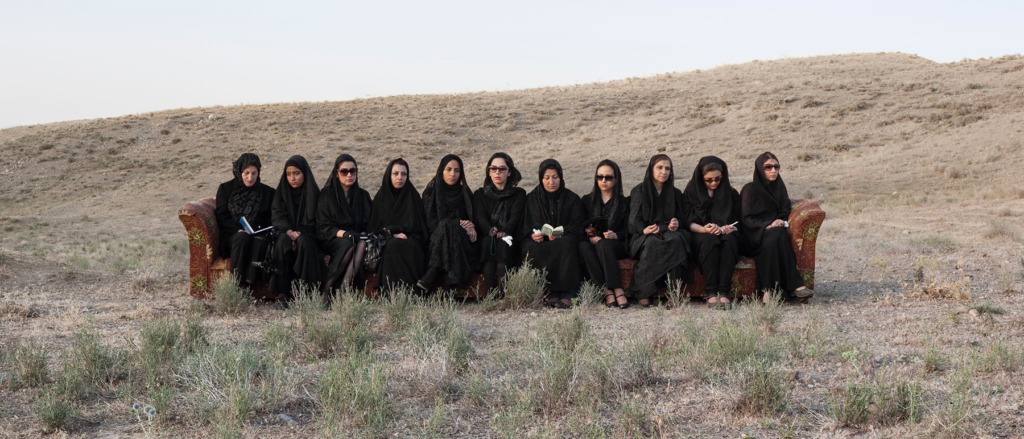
{"x":600,"y":177}
{"x":346,"y":171}
{"x":770,"y":167}
{"x":712,"y":180}
{"x":498,"y":169}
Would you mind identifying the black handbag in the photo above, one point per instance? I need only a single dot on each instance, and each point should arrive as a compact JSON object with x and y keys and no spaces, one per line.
{"x":375,"y":243}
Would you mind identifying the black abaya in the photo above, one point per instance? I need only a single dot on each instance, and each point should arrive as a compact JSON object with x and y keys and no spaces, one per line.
{"x":660,"y":254}
{"x":337,"y":211}
{"x":234,"y":200}
{"x":763,"y":202}
{"x":602,"y":259}
{"x":499,"y":211}
{"x":560,"y":257}
{"x":450,"y":249}
{"x":716,"y":255}
{"x":295,"y":210}
{"x":399,"y":211}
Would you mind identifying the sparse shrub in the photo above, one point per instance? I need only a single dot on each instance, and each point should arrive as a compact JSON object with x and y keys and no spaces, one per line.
{"x":440,"y":341}
{"x":279,"y":342}
{"x":165,"y":132}
{"x":1000,"y":229}
{"x":158,"y":341}
{"x":27,"y":363}
{"x":766,"y":317}
{"x":195,"y":336}
{"x":306,"y":305}
{"x":352,"y":310}
{"x":635,"y":417}
{"x":325,"y":339}
{"x":849,"y":406}
{"x":811,"y":339}
{"x":958,"y":417}
{"x":590,"y":294}
{"x":558,"y":356}
{"x":988,"y":308}
{"x":398,"y":304}
{"x":638,"y":362}
{"x":998,"y":356}
{"x":228,"y":297}
{"x":54,"y":408}
{"x":233,"y":377}
{"x":897,"y":399}
{"x":761,"y":386}
{"x":354,"y":389}
{"x":676,"y":294}
{"x":524,"y":287}
{"x":91,"y":359}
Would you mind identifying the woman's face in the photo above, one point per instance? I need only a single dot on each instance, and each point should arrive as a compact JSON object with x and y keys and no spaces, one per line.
{"x":295,"y":177}
{"x":399,"y":175}
{"x":347,"y":174}
{"x":249,"y":175}
{"x":771,"y":169}
{"x":452,"y":172}
{"x":605,"y":178}
{"x":551,"y":180}
{"x":662,"y":170}
{"x":713,"y":179}
{"x":498,"y":170}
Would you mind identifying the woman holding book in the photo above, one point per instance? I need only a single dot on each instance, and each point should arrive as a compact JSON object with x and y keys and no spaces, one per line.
{"x":605,"y":240}
{"x":765,"y":211}
{"x":243,"y":197}
{"x":658,"y":243}
{"x":714,"y":219}
{"x":296,"y":256}
{"x":341,"y":218}
{"x":498,"y":209}
{"x":398,"y":212}
{"x":452,"y":244}
{"x":550,"y":233}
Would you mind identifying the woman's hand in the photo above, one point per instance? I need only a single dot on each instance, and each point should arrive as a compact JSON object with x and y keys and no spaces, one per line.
{"x":776,"y":223}
{"x":472,"y":233}
{"x":537,"y":237}
{"x":673,"y":225}
{"x":728,"y":229}
{"x":552,"y":237}
{"x":293,"y":234}
{"x":500,"y":234}
{"x":594,"y":239}
{"x":400,"y":236}
{"x":610,"y":235}
{"x":651,"y":229}
{"x":340,"y":234}
{"x":712,"y":228}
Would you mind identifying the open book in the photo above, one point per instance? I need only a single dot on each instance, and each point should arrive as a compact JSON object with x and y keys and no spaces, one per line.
{"x":547,"y":230}
{"x":248,"y":229}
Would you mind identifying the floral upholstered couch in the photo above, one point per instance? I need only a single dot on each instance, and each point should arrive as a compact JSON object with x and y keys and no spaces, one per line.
{"x":206,"y":264}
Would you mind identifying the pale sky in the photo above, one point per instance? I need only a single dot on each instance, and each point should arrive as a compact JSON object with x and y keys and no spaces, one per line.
{"x":65,"y":60}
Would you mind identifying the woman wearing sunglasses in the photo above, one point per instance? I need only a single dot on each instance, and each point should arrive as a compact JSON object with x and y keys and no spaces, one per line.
{"x":498,"y":210}
{"x":765,"y":209}
{"x":341,"y":217}
{"x":605,"y":241}
{"x":713,"y":220}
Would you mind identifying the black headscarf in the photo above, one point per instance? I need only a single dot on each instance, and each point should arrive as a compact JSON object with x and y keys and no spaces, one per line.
{"x":501,"y":211}
{"x":398,"y":209}
{"x":657,"y":208}
{"x":559,"y":208}
{"x":336,"y":208}
{"x":764,"y":201}
{"x":596,"y":206}
{"x":552,"y":199}
{"x":444,"y":199}
{"x":704,"y":208}
{"x":297,"y":205}
{"x":245,"y":200}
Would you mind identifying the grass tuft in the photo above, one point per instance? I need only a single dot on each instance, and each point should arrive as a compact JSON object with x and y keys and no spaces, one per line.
{"x":354,"y":391}
{"x":228,"y":297}
{"x":761,"y":386}
{"x":27,"y":363}
{"x":524,"y":288}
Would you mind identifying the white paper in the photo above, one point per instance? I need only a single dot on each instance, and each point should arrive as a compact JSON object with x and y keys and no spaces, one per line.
{"x":508,"y":240}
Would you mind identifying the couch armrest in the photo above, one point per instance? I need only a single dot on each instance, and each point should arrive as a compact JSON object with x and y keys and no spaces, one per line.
{"x":804,"y":223}
{"x":203,"y":239}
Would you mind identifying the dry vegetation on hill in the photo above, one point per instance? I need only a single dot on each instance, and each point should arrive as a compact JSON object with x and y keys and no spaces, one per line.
{"x":917,"y":164}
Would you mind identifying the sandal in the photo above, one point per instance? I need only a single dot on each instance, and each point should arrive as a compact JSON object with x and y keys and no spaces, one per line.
{"x":625,"y":303}
{"x":613,"y":302}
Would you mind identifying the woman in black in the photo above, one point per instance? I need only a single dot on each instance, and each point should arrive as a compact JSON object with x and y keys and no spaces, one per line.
{"x":605,"y":241}
{"x":657,"y":242}
{"x":341,"y":217}
{"x":550,"y":203}
{"x":296,"y":256}
{"x":244,"y":196}
{"x":498,"y":207}
{"x":398,"y":212}
{"x":449,"y":208}
{"x":765,"y":209}
{"x":713,"y":220}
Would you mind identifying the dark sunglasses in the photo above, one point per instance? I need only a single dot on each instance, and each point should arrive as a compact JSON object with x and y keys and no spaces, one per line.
{"x":343,"y":172}
{"x":713,"y":180}
{"x":600,"y":177}
{"x":767,"y":167}
{"x":497,"y":169}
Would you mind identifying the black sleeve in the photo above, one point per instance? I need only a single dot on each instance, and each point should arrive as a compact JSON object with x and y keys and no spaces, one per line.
{"x":636,"y":224}
{"x":481,"y":216}
{"x":429,"y":207}
{"x":325,"y":228}
{"x":576,"y":218}
{"x":749,"y":214}
{"x":620,"y":228}
{"x":225,"y":222}
{"x":515,"y":217}
{"x":279,"y":215}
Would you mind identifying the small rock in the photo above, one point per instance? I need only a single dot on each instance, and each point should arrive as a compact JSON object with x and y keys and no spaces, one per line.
{"x":973,"y":312}
{"x":287,"y":419}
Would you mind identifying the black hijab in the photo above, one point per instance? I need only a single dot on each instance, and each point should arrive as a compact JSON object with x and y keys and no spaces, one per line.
{"x":764,"y":201}
{"x":657,"y":208}
{"x":341,"y":209}
{"x":774,"y":190}
{"x":502,"y":210}
{"x":597,"y":202}
{"x":551,"y":200}
{"x":245,"y":200}
{"x":704,"y":208}
{"x":444,"y":199}
{"x":399,"y":210}
{"x":299,"y":205}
